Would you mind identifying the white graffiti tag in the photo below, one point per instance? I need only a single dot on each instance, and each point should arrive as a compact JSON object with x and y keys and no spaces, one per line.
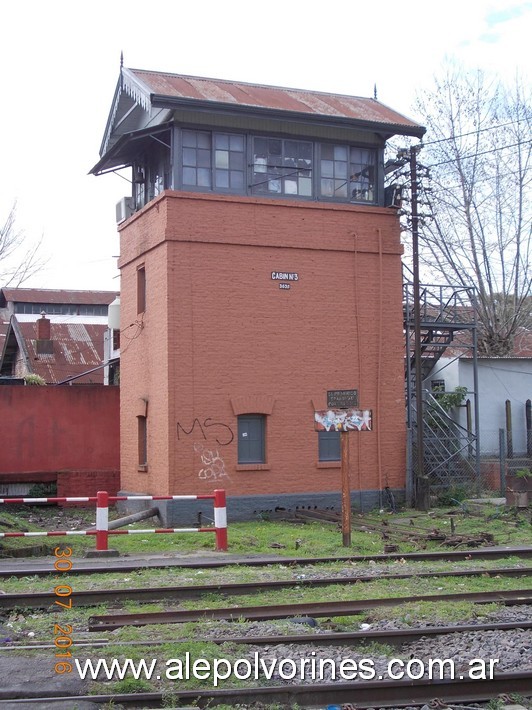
{"x":213,"y":464}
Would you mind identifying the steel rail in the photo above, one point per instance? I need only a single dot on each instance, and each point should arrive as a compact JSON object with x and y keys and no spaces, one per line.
{"x":110,"y":622}
{"x":41,"y":600}
{"x":365,"y":694}
{"x":83,"y":566}
{"x":395,"y":637}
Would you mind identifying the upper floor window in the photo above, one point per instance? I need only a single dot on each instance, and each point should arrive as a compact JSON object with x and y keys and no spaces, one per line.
{"x":141,"y":289}
{"x":347,"y":172}
{"x":281,"y":166}
{"x":197,"y":165}
{"x":64,"y":309}
{"x":216,"y":159}
{"x":274,"y":166}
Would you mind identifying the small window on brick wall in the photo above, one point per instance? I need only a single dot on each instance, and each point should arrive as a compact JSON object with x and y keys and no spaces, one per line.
{"x":251,"y":438}
{"x":142,"y":435}
{"x":141,"y":289}
{"x":329,"y":446}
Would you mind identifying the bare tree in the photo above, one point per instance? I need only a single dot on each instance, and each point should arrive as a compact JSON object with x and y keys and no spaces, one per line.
{"x":478,"y":152}
{"x":17,"y":260}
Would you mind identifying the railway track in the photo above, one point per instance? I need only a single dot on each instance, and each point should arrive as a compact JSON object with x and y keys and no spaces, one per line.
{"x":394,"y":637}
{"x":11,"y":568}
{"x":362,"y":694}
{"x":41,"y":600}
{"x":109,"y":622}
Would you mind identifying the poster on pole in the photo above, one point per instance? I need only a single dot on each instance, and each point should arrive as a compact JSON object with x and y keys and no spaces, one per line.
{"x":343,"y":420}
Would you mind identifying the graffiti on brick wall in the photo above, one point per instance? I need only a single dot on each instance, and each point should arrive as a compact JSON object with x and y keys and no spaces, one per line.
{"x":213,"y":464}
{"x":222,"y":433}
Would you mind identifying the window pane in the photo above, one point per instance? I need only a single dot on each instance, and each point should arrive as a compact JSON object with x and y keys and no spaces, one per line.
{"x":290,"y":187}
{"x":340,"y":188}
{"x":305,"y":187}
{"x":327,"y":168}
{"x":204,"y":177}
{"x":327,"y":188}
{"x":222,"y":178}
{"x":305,"y":151}
{"x":204,"y":140}
{"x":236,"y":143}
{"x":204,"y":158}
{"x":189,"y":156}
{"x":222,"y":159}
{"x":260,"y":145}
{"x":189,"y":176}
{"x":221,"y":140}
{"x":327,"y":151}
{"x":189,"y":138}
{"x":340,"y":169}
{"x":236,"y":161}
{"x":340,"y":152}
{"x":237,"y":179}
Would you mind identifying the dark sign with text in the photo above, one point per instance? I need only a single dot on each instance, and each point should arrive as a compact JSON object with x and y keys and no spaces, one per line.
{"x":342,"y":399}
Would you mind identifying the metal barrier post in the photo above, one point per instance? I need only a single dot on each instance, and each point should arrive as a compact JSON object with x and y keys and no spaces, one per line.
{"x":220,"y":520}
{"x":102,"y":520}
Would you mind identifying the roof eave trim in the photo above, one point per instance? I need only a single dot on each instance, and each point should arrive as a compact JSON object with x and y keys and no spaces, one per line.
{"x":105,"y":164}
{"x":133,"y":87}
{"x":163,"y":101}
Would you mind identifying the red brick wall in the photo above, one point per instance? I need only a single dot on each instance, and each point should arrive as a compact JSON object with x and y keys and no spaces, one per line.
{"x":50,"y":429}
{"x":76,"y":483}
{"x":220,"y":338}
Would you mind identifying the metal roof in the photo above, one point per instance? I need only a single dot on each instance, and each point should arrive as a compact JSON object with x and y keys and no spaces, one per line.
{"x":44,"y":295}
{"x":150,"y":86}
{"x":77,"y":348}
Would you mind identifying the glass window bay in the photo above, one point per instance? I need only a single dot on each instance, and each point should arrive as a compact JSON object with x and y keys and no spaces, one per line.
{"x":245,"y":163}
{"x":267,"y":165}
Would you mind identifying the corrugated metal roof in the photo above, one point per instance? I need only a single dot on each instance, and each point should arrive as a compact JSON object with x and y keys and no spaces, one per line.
{"x":77,"y":348}
{"x":239,"y":93}
{"x":45,"y":295}
{"x":521,"y":346}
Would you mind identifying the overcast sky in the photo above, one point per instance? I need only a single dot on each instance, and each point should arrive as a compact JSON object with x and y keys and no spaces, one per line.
{"x":59,"y":64}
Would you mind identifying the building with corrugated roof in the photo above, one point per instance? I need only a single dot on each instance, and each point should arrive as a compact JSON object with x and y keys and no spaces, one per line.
{"x":59,"y":335}
{"x":260,"y":268}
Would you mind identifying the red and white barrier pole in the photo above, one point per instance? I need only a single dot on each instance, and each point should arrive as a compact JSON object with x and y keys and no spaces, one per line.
{"x":102,"y":520}
{"x":220,"y":520}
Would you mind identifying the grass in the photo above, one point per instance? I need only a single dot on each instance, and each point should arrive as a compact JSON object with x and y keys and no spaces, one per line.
{"x":314,"y":539}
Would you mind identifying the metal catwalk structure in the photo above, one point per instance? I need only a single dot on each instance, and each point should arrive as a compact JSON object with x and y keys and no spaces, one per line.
{"x":447,"y":325}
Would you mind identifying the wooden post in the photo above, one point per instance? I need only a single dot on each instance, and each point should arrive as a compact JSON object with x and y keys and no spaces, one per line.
{"x":346,"y":491}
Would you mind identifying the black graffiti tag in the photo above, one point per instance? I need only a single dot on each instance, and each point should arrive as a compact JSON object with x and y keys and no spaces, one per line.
{"x":208,"y":423}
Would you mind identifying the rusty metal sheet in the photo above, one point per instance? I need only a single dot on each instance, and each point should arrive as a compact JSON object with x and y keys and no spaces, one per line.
{"x":76,"y":348}
{"x":270,"y":97}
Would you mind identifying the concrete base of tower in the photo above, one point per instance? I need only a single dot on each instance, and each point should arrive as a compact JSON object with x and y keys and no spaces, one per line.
{"x":186,"y":513}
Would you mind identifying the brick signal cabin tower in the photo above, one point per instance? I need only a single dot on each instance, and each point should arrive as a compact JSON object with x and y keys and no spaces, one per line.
{"x":260,"y":269}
